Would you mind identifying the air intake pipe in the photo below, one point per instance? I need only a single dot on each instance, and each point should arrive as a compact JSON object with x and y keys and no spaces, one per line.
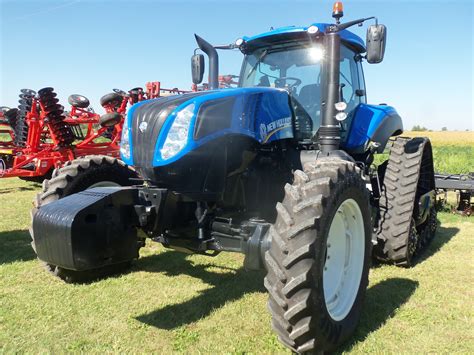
{"x":329,"y":132}
{"x":211,"y":52}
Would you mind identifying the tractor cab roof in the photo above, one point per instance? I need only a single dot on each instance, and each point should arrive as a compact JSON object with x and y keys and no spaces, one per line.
{"x":295,"y":33}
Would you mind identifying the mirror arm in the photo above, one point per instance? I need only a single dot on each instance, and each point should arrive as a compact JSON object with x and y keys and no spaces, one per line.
{"x":226,"y":46}
{"x":343,"y":26}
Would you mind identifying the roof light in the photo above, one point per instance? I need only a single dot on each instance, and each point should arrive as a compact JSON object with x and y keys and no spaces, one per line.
{"x":337,"y":11}
{"x":239,"y":42}
{"x":316,"y":53}
{"x":312,"y":29}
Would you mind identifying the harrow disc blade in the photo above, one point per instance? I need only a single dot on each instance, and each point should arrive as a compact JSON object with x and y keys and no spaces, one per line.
{"x":46,"y":91}
{"x":28,"y":92}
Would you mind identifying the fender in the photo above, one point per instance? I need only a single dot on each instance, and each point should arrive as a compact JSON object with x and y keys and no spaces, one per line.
{"x":372,"y":123}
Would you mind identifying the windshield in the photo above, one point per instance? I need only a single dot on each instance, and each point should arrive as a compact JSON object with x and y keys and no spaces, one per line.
{"x":296,"y":69}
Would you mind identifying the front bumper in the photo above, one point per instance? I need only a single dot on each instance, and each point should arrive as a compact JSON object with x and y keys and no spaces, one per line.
{"x":93,"y":228}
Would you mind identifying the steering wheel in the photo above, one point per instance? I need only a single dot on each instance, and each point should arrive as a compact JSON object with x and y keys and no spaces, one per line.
{"x":279,"y":82}
{"x":120,"y":92}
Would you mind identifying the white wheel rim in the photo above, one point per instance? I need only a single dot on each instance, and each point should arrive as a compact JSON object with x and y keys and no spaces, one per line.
{"x":104,"y":184}
{"x":344,"y":259}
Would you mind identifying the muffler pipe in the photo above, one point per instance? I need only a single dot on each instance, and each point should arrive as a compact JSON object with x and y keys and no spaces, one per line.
{"x":329,"y":132}
{"x":211,"y":52}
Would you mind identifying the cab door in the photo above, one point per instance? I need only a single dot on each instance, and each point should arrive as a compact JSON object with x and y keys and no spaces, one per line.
{"x":352,"y":83}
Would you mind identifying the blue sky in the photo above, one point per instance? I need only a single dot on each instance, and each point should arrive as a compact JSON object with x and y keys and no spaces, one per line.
{"x":89,"y":47}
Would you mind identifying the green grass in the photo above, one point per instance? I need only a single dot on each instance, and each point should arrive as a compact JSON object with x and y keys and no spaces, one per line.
{"x":172,"y":302}
{"x":454,"y":159}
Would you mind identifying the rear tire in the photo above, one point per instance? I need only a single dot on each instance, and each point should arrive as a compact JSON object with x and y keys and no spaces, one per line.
{"x":408,"y":175}
{"x":312,"y":311}
{"x":79,"y":175}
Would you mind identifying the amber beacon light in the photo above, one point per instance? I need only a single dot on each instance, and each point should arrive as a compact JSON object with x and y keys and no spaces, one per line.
{"x":337,"y":11}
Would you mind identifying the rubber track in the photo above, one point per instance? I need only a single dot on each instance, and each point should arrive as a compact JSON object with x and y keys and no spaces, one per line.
{"x":398,"y":198}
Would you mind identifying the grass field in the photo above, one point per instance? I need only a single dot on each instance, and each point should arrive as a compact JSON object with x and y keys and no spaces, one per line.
{"x":453,"y":151}
{"x":172,"y":302}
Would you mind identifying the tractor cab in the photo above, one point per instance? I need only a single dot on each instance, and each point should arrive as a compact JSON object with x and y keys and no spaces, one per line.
{"x":292,"y":59}
{"x":320,"y":67}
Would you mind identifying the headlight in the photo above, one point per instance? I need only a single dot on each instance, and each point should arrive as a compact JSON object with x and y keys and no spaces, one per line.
{"x":178,"y":134}
{"x":125,"y":141}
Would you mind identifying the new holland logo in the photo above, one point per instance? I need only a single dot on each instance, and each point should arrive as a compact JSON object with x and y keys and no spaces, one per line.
{"x":143,"y":126}
{"x":269,"y":129}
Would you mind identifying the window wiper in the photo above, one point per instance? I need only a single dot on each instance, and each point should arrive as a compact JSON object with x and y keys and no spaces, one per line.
{"x":264,"y":53}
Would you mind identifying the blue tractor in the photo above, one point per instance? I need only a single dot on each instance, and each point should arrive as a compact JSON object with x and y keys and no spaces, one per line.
{"x":280,"y":168}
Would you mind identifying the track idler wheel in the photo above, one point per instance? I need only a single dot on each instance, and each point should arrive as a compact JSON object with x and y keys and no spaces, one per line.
{"x":54,"y":113}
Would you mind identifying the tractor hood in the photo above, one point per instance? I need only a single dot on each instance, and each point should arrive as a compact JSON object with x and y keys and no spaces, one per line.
{"x":163,"y":130}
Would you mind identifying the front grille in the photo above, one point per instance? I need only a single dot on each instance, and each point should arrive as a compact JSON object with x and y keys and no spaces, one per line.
{"x":154,"y":113}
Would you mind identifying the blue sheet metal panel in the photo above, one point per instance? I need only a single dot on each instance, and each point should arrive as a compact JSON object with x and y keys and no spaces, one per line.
{"x":345,"y":34}
{"x":274,"y":118}
{"x":365,"y":122}
{"x":263,"y":114}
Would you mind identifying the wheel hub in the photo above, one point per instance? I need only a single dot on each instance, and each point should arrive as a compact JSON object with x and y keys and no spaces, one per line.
{"x":344,"y":259}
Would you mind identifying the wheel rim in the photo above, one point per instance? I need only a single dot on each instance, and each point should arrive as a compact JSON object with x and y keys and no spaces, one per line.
{"x":104,"y":184}
{"x":344,"y":259}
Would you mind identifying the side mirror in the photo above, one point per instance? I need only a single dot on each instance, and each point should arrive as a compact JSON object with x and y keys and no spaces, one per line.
{"x":376,"y":37}
{"x":197,"y":68}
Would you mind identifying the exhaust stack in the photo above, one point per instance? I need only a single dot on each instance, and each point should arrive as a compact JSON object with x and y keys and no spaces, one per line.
{"x":211,"y":52}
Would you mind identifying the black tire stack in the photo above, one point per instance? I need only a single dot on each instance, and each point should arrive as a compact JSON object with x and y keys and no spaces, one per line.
{"x":55,"y":116}
{"x":408,"y":175}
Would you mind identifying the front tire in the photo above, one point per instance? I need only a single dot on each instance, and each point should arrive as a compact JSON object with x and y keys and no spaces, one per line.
{"x":76,"y":176}
{"x":318,"y":261}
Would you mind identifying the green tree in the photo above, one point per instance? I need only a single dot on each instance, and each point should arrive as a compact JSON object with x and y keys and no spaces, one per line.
{"x":418,"y":128}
